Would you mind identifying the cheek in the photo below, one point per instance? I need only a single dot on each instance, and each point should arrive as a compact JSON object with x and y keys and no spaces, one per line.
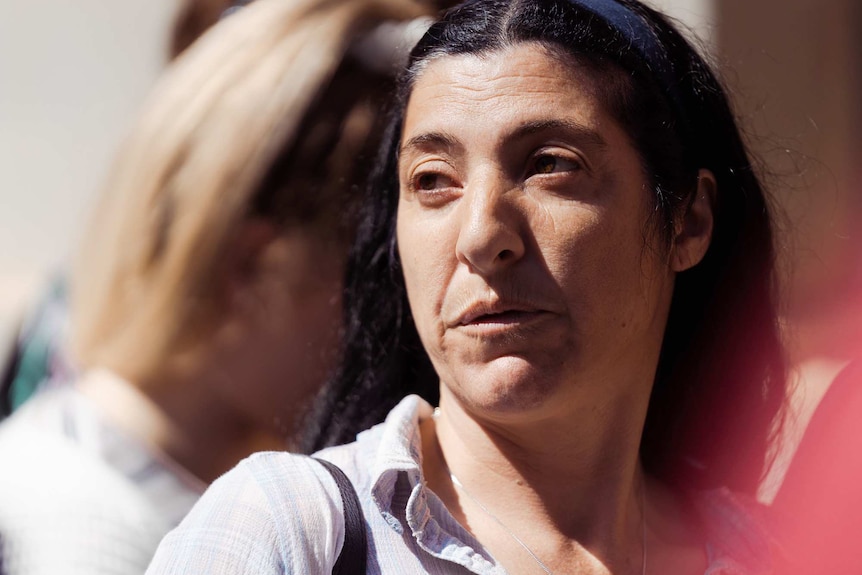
{"x":288,"y":363}
{"x":575,"y":245}
{"x":423,"y":258}
{"x":310,"y":344}
{"x":631,"y":281}
{"x":314,"y":302}
{"x":599,"y":261}
{"x":322,"y":309}
{"x":427,"y":261}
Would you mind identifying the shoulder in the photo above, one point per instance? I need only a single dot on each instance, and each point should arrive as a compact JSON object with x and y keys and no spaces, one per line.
{"x":358,"y":459}
{"x":272,"y":513}
{"x":282,"y":512}
{"x":35,"y":453}
{"x":45,"y":412}
{"x":55,"y":495}
{"x":736,"y":526}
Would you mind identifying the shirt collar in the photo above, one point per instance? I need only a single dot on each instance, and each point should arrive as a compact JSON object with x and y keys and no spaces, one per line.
{"x":398,"y":490}
{"x":400,"y":450}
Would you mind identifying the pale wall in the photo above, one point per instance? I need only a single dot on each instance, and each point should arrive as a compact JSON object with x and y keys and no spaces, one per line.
{"x":72,"y":73}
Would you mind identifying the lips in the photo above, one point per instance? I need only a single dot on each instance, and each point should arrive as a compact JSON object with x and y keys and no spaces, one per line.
{"x":496,"y":313}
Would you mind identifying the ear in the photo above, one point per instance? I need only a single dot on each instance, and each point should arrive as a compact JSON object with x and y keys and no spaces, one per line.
{"x":694,"y":231}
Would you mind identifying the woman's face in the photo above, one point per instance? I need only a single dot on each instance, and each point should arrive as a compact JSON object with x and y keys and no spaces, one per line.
{"x":281,"y":338}
{"x":523,"y":230}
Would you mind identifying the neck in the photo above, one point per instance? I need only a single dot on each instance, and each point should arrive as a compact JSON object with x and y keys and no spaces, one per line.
{"x":175,"y":413}
{"x":576,"y":477}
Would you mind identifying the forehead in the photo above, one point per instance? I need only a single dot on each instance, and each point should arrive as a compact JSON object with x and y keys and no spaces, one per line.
{"x":501,"y":89}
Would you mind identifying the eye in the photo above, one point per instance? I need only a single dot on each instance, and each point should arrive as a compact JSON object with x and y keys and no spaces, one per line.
{"x":545,"y":164}
{"x":432,"y":183}
{"x":427,"y":182}
{"x":552,"y":164}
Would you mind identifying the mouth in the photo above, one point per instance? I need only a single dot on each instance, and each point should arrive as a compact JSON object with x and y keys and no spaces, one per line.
{"x":499,"y":318}
{"x":490,"y":314}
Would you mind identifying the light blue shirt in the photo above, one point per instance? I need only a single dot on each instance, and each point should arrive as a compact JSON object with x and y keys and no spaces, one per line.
{"x":280,"y":513}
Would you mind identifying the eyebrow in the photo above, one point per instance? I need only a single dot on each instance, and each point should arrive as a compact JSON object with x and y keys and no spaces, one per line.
{"x":430,"y":140}
{"x":577,"y":132}
{"x":573,"y":130}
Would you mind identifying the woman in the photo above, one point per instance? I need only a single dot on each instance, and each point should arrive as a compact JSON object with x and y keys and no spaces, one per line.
{"x":206,"y":306}
{"x":569,"y":223}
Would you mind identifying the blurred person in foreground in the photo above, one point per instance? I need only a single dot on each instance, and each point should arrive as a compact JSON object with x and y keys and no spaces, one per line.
{"x":40,"y":359}
{"x":568,"y":238}
{"x":818,"y":509}
{"x":206,"y":304}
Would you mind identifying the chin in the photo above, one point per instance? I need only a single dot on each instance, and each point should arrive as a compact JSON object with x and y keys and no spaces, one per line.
{"x":507,"y":385}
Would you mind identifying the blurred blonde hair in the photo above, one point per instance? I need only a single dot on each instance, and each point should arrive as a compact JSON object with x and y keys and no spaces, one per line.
{"x":269,"y":114}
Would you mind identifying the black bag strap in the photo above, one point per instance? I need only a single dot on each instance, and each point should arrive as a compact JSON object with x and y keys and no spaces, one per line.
{"x":354,"y":554}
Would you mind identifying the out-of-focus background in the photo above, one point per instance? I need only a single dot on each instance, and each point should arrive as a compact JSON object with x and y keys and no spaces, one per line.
{"x":73,"y":74}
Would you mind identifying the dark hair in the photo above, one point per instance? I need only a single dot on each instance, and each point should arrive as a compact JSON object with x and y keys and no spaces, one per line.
{"x":340,"y":133}
{"x":720,"y":382}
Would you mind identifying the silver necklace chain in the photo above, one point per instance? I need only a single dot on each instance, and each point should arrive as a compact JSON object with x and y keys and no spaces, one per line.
{"x":457,"y":483}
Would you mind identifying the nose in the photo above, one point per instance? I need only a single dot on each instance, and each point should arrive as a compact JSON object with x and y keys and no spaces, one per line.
{"x":490,"y":238}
